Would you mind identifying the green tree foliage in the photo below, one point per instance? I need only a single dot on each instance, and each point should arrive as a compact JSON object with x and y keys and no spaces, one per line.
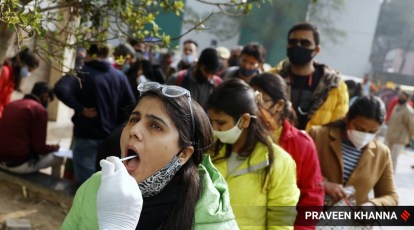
{"x":100,"y":20}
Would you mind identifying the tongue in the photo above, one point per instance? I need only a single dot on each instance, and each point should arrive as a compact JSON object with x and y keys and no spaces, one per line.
{"x":132,"y":164}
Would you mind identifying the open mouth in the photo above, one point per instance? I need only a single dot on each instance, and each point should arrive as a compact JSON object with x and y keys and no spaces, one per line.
{"x":131,"y":152}
{"x":132,"y":164}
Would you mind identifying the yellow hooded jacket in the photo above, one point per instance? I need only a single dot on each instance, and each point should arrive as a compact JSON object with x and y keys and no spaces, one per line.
{"x":330,"y":98}
{"x":258,"y":206}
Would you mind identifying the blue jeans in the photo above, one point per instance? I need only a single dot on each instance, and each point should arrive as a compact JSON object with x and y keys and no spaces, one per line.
{"x":84,"y":157}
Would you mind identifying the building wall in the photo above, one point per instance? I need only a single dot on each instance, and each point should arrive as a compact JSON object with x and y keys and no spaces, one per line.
{"x":399,"y":61}
{"x":350,"y":55}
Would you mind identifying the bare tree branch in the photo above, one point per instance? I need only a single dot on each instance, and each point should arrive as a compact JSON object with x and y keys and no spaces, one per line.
{"x":195,"y":26}
{"x":229,"y":4}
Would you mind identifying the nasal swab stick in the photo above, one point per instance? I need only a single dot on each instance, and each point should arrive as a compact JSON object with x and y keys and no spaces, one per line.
{"x":127,"y":158}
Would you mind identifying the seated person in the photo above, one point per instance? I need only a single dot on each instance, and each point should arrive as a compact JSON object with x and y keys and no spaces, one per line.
{"x":23,"y":134}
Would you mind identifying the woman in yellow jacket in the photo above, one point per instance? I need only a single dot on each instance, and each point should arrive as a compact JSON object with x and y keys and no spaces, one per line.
{"x":261,"y":176}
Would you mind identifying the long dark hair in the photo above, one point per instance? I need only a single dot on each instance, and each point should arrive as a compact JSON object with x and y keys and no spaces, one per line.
{"x":23,"y":58}
{"x":234,"y":97}
{"x":182,"y":215}
{"x":370,"y":107}
{"x":274,"y":86}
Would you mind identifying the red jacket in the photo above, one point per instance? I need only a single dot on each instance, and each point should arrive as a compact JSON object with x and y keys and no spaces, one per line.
{"x":6,"y":86}
{"x":309,"y":177}
{"x":23,"y":130}
{"x":393,"y":103}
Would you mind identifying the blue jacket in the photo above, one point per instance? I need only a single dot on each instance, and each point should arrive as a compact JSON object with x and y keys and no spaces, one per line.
{"x":99,"y":86}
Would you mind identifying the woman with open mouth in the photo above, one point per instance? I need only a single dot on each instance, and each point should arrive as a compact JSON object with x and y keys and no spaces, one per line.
{"x":165,"y":136}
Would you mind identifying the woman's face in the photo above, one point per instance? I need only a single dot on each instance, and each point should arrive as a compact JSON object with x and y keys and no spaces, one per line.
{"x":249,"y":62}
{"x":363,"y":124}
{"x":220,"y":121}
{"x":152,"y":135}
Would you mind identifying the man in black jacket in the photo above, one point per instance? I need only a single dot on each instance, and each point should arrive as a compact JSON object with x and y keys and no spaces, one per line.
{"x":101,"y":97}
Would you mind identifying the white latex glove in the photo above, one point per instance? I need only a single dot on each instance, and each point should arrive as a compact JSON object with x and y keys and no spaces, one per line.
{"x":119,"y":200}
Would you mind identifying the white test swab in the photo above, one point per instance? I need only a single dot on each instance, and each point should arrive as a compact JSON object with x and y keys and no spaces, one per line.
{"x":127,"y":158}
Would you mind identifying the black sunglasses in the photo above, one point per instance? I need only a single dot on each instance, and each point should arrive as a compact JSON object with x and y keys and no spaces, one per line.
{"x":299,"y":42}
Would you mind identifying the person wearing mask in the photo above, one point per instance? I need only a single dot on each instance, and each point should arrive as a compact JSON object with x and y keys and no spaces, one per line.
{"x":308,"y":172}
{"x":261,"y":176}
{"x":23,"y":130}
{"x":251,"y":61}
{"x":317,"y":92}
{"x":350,"y":155}
{"x":100,"y":96}
{"x":400,"y":127}
{"x":392,"y":102}
{"x":169,"y":184}
{"x":189,"y":56}
{"x":124,"y":55}
{"x":165,"y":64}
{"x":200,"y":79}
{"x":12,"y":72}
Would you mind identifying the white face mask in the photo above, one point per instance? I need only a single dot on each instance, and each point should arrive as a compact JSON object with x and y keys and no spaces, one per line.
{"x":188,"y":59}
{"x":24,"y":72}
{"x":360,"y":139}
{"x":229,"y":136}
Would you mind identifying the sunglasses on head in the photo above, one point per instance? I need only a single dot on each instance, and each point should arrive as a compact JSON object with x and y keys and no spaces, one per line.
{"x":299,"y":42}
{"x":168,"y":91}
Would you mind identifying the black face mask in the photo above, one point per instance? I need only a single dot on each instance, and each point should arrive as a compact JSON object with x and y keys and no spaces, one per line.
{"x":247,"y":73}
{"x":299,"y":56}
{"x":401,"y":101}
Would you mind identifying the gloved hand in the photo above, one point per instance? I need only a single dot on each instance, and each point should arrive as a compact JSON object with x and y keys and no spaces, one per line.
{"x":119,"y":200}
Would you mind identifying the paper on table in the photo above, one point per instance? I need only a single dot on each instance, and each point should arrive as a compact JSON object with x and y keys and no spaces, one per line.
{"x":62,"y":152}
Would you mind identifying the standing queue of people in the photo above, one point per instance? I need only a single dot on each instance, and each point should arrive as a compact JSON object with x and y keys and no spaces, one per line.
{"x":210,"y":153}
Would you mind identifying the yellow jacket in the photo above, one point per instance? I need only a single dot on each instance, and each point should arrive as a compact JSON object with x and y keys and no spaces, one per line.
{"x":272,"y":206}
{"x":330,"y":98}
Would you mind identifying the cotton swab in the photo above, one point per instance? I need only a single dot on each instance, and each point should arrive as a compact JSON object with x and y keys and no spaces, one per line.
{"x":127,"y":158}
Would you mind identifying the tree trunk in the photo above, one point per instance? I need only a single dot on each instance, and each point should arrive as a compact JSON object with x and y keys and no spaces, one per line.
{"x":65,"y":59}
{"x":6,"y":40}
